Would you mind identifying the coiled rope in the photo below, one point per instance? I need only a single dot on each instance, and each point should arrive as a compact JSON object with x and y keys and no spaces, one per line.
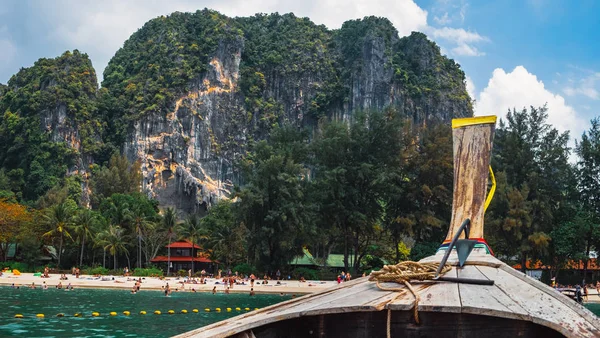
{"x":403,"y":273}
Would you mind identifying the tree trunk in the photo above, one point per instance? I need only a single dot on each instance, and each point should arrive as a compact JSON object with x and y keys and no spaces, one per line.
{"x":60,"y":249}
{"x":139,"y":251}
{"x":115,"y":261}
{"x":345,"y":251}
{"x":587,"y":258}
{"x":524,"y":262}
{"x":169,"y":256}
{"x":82,"y":248}
{"x":104,"y":259}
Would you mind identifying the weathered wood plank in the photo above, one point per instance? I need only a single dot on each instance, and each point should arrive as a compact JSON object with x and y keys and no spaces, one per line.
{"x":441,"y":296}
{"x":544,"y":308}
{"x":472,"y":151}
{"x":477,"y":257}
{"x":579,"y":309}
{"x":487,"y":300}
{"x":370,"y":299}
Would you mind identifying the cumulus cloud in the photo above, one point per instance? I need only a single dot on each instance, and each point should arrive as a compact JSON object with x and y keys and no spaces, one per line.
{"x":462,"y":39}
{"x":519,"y":89}
{"x":470,"y":87}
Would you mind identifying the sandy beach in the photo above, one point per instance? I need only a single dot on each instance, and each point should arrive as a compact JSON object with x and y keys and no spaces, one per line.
{"x":154,"y":283}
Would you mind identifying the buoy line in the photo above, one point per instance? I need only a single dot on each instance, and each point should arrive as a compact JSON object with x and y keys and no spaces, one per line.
{"x":128,"y":313}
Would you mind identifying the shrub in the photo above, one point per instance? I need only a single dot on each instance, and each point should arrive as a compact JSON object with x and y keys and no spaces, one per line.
{"x":22,"y":267}
{"x":182,"y":273}
{"x":305,"y":272}
{"x":148,"y":272}
{"x":95,"y":271}
{"x":244,"y":269}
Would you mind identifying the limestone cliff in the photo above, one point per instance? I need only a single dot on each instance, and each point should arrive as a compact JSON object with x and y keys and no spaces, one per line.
{"x":48,"y":127}
{"x":254,"y":73}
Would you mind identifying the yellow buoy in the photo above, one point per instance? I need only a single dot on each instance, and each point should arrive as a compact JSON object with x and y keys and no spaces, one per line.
{"x":156,"y":312}
{"x":95,"y":314}
{"x":127,"y":313}
{"x":195,"y":310}
{"x":171,"y":312}
{"x":113,"y":313}
{"x":228,"y":309}
{"x":207,"y":310}
{"x":18,"y":315}
{"x":247,"y":309}
{"x":60,"y":315}
{"x":255,"y":308}
{"x":237,"y":309}
{"x":40,"y":315}
{"x":218,"y":309}
{"x":142,"y":312}
{"x":184,"y":311}
{"x":77,"y":314}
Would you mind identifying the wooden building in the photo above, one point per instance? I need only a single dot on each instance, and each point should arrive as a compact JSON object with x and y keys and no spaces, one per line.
{"x":183,"y":254}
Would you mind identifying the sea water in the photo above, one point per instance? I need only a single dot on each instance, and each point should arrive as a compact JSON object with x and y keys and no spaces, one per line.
{"x":30,"y":302}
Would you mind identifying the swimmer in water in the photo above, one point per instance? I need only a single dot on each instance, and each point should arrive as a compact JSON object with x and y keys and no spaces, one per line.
{"x":251,"y":291}
{"x":214,"y":290}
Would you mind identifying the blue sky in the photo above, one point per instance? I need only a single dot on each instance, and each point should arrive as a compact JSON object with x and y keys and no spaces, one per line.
{"x":515,"y":53}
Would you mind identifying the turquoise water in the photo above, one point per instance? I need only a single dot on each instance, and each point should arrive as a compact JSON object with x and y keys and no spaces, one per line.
{"x":52,"y":301}
{"x":595,"y":308}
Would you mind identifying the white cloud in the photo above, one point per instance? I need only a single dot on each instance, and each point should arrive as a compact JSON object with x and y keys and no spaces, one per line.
{"x":587,"y":85}
{"x":462,"y":39}
{"x":470,"y":87}
{"x":443,"y":20}
{"x":521,"y":89}
{"x":100,"y":28}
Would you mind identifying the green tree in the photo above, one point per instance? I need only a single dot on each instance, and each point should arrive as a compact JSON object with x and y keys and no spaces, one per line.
{"x":169,"y":223}
{"x":83,"y":226}
{"x":113,"y":240}
{"x":272,"y":203}
{"x":191,"y":230}
{"x":225,"y":237}
{"x":588,"y":177}
{"x":59,"y":219}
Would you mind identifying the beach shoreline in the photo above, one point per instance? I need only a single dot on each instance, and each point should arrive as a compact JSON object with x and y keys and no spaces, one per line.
{"x":293,"y":287}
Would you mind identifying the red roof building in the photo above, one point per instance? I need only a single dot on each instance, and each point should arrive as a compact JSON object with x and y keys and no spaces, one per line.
{"x":185,"y":256}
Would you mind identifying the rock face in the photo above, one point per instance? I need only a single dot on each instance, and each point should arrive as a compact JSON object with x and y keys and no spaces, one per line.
{"x":48,"y":126}
{"x":184,"y":160}
{"x":189,"y":149}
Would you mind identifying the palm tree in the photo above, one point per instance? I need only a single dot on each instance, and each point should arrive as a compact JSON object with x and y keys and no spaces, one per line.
{"x":169,"y":222}
{"x":59,"y":218}
{"x":84,"y":223}
{"x":191,"y":230}
{"x":141,"y":223}
{"x":113,"y":241}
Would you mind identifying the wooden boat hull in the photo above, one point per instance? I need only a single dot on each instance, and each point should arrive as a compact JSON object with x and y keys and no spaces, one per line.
{"x":515,"y":305}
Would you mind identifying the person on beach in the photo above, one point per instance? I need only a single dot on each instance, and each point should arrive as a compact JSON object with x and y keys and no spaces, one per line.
{"x":252,"y":278}
{"x":76,"y":272}
{"x":167,"y":290}
{"x":214,"y":290}
{"x":190,"y":274}
{"x":278,"y":274}
{"x":585,"y":292}
{"x":46,"y":271}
